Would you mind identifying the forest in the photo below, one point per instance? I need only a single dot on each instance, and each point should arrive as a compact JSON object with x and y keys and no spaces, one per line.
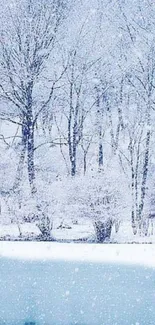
{"x":77,"y":116}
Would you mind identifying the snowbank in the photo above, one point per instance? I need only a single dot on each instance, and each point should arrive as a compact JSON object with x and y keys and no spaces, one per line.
{"x":64,"y":284}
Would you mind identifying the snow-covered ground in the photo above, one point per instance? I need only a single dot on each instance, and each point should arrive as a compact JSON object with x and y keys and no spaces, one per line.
{"x":55,"y":283}
{"x":70,"y":231}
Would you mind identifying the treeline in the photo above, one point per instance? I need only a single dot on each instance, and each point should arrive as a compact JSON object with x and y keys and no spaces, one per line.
{"x":78,"y":79}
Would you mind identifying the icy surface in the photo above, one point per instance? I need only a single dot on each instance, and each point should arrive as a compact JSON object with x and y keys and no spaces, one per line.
{"x":77,"y":284}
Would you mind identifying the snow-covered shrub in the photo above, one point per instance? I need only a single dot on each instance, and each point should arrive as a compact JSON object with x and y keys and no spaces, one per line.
{"x":102,"y":202}
{"x":41,"y":216}
{"x":98,"y":197}
{"x":45,"y":226}
{"x":103,"y":229}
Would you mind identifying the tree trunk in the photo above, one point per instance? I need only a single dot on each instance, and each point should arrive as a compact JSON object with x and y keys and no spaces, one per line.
{"x":30,"y":158}
{"x":99,"y":126}
{"x":73,"y":143}
{"x":73,"y":166}
{"x":19,"y":173}
{"x":85,"y":162}
{"x":100,"y":155}
{"x":144,"y":178}
{"x":30,"y":139}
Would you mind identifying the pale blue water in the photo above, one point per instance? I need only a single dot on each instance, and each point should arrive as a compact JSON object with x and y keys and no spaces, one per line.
{"x":67,"y":293}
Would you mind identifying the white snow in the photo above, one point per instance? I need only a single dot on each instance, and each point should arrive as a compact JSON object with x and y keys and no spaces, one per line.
{"x":66,"y":284}
{"x":91,"y":253}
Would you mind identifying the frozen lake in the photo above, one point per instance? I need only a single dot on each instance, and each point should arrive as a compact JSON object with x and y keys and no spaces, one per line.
{"x":64,"y":291}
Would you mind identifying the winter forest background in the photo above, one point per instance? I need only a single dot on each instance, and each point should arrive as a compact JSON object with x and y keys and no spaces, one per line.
{"x":77,"y":114}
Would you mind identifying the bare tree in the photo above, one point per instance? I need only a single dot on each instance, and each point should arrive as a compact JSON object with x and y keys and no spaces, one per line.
{"x":26,"y":46}
{"x":77,"y":104}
